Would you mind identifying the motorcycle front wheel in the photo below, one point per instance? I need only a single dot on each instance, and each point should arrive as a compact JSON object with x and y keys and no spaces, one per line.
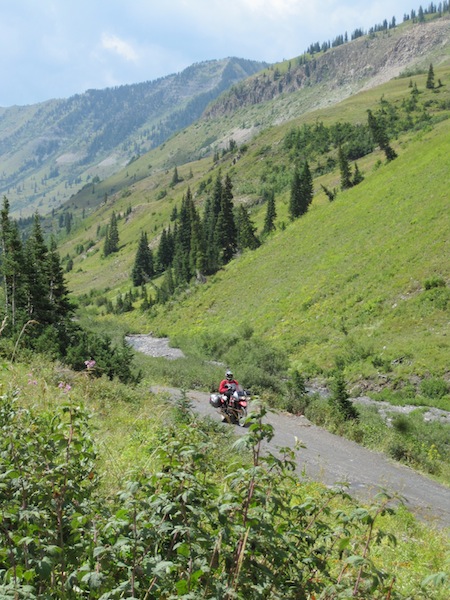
{"x":241,"y":416}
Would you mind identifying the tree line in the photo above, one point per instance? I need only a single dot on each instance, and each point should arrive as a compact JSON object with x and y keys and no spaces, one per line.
{"x":37,"y":312}
{"x":416,"y":16}
{"x":196,"y":245}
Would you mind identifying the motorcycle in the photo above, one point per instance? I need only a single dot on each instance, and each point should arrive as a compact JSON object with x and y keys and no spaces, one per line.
{"x":233,"y":406}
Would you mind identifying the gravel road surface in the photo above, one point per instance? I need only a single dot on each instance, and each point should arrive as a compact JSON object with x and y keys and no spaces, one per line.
{"x":329,"y":458}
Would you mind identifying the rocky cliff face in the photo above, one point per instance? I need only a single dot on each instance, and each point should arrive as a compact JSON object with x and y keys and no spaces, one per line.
{"x":362,"y":63}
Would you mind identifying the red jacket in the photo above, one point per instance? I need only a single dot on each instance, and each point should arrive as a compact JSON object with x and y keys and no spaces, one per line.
{"x":223,"y":385}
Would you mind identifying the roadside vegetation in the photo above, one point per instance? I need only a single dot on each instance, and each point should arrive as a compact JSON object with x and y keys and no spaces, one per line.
{"x":109,"y":492}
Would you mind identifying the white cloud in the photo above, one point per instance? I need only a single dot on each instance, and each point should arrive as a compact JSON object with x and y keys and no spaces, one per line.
{"x":56,"y":48}
{"x":119,"y":46}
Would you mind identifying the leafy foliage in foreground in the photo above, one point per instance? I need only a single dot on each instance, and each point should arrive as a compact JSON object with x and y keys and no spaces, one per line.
{"x":178,"y":531}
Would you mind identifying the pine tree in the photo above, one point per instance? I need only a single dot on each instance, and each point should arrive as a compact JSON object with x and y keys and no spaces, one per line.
{"x":12,"y":265}
{"x":344,"y":167}
{"x":182,"y":243}
{"x":301,"y":192}
{"x":60,"y":303}
{"x":307,"y":186}
{"x":225,"y":234}
{"x":143,"y":263}
{"x":271,"y":214}
{"x":430,"y":78}
{"x":164,"y":254}
{"x":197,"y":255}
{"x":113,"y":234}
{"x":210,"y":216}
{"x":111,"y":237}
{"x":106,"y":250}
{"x":294,"y":199}
{"x":175,"y":178}
{"x":246,"y":231}
{"x":357,"y":175}
{"x":38,"y":288}
{"x":330,"y":194}
{"x":380,"y":136}
{"x":340,"y":398}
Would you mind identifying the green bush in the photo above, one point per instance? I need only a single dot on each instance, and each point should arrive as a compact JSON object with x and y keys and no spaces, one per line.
{"x":180,"y":531}
{"x":436,"y":281}
{"x":434,"y":387}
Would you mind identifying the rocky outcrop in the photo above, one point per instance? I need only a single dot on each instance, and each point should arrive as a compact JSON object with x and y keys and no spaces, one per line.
{"x":362,"y":63}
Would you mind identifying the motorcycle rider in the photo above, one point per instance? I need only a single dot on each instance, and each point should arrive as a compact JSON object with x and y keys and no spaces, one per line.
{"x":228,"y":385}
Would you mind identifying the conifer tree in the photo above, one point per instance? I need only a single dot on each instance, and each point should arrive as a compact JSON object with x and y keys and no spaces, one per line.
{"x":307,"y":186}
{"x":271,"y":214}
{"x":113,"y":234}
{"x":210,"y":216}
{"x":143,"y":264}
{"x":60,"y":303}
{"x":167,"y":287}
{"x":301,"y":192}
{"x":225,"y":235}
{"x":12,"y":264}
{"x":111,"y":237}
{"x":294,"y":199}
{"x":175,"y":178}
{"x":380,"y":136}
{"x":430,"y":78}
{"x":344,"y":167}
{"x":357,"y":175}
{"x":246,"y":230}
{"x":182,"y":243}
{"x":197,"y":256}
{"x":330,"y":194}
{"x":35,"y":266}
{"x":164,"y":255}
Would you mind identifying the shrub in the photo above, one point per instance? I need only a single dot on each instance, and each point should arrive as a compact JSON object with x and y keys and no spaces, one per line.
{"x":402,"y":424}
{"x":296,"y":399}
{"x":434,"y":282}
{"x":340,"y":399}
{"x":180,"y":531}
{"x":434,"y":387}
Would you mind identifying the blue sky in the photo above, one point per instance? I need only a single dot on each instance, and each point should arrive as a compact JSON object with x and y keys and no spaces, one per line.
{"x":57,"y":48}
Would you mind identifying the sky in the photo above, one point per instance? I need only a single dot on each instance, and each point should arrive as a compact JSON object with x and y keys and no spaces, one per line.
{"x":58,"y":48}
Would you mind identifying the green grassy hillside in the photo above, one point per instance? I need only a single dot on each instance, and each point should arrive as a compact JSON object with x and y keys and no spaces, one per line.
{"x":362,"y":281}
{"x":350,"y":277}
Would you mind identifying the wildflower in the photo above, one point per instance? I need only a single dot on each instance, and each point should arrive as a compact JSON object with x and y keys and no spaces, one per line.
{"x":65,"y":387}
{"x":90,"y":364}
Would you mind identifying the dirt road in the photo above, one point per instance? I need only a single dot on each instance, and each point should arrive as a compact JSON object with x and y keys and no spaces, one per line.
{"x":328,"y":458}
{"x":331,"y":459}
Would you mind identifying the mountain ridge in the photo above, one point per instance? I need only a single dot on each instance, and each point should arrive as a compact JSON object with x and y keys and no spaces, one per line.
{"x":55,"y":147}
{"x":355,"y":65}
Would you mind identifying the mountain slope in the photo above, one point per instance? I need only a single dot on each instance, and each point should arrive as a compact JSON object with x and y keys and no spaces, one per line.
{"x":48,"y":151}
{"x":363,"y":280}
{"x":284,"y":93}
{"x":350,"y":278}
{"x":342,"y":71}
